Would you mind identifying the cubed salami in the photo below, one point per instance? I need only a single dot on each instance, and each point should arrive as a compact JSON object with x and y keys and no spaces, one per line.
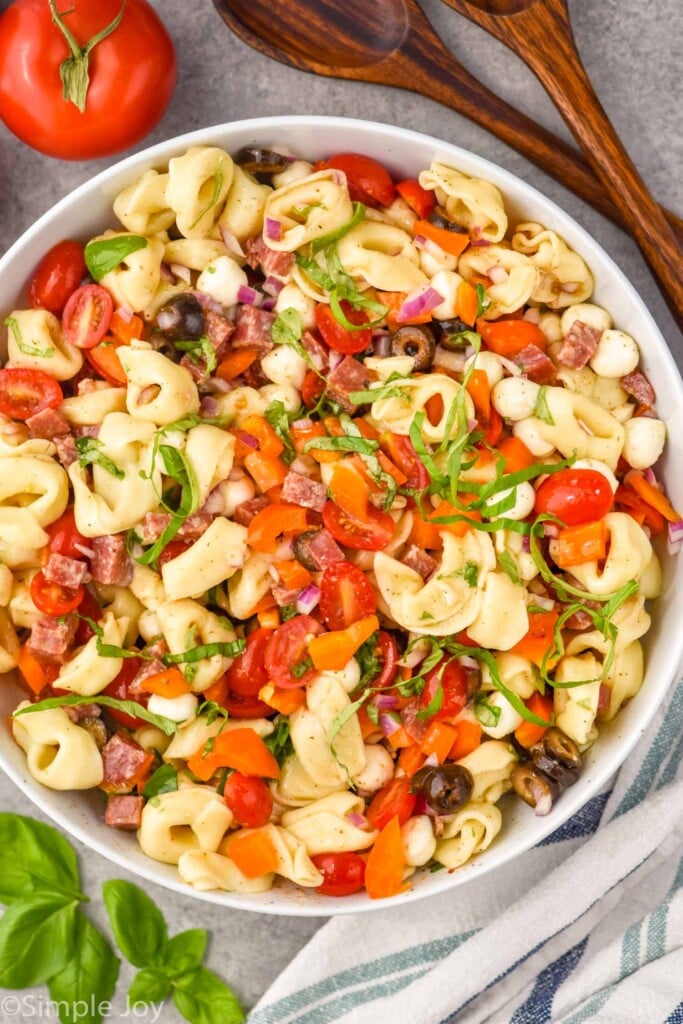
{"x":67,"y":452}
{"x":536,"y":365}
{"x":319,"y":549}
{"x":90,"y":430}
{"x":52,"y":638}
{"x":111,"y":562}
{"x":579,"y":345}
{"x":273,"y":264}
{"x":319,"y":354}
{"x":154,"y":523}
{"x":638,"y":386}
{"x":218,"y":329}
{"x":417,"y":559}
{"x":66,"y":572}
{"x":301,"y":490}
{"x":346,"y":378}
{"x":124,"y":763}
{"x":48,"y":424}
{"x":149,"y":669}
{"x":252,"y":329}
{"x":80,"y":711}
{"x":285,"y":595}
{"x":124,"y":812}
{"x":245,"y":512}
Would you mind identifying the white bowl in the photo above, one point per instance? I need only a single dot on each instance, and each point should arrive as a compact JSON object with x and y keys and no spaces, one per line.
{"x":88,"y":210}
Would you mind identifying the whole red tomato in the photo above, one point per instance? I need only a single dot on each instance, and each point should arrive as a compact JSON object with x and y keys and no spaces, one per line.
{"x":131,"y":71}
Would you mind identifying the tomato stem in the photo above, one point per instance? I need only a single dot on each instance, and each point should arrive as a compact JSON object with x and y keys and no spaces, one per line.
{"x":73,"y":71}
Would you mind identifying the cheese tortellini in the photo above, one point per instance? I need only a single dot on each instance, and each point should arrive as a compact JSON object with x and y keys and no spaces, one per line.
{"x":475,"y":204}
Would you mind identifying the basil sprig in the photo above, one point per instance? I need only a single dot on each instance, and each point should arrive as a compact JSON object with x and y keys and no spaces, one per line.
{"x":105,"y":254}
{"x":130,"y":707}
{"x":90,"y":453}
{"x":358,"y":215}
{"x":28,"y":348}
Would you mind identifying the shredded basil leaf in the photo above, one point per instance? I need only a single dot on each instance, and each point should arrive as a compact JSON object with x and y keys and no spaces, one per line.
{"x":301,"y":668}
{"x":279,"y":742}
{"x":216,"y":194}
{"x":90,"y":453}
{"x":436,"y":703}
{"x":483,"y":301}
{"x":487,"y":714}
{"x":541,"y":410}
{"x":279,"y":419}
{"x":508,"y":563}
{"x":334,"y":236}
{"x":130,"y":707}
{"x":226,"y":649}
{"x":25,"y":347}
{"x":105,"y":254}
{"x":164,"y":780}
{"x":287,"y":328}
{"x":201,"y":348}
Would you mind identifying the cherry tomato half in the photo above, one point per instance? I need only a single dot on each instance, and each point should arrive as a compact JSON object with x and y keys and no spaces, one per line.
{"x":346,"y":595}
{"x":53,"y":599}
{"x":336,"y":336}
{"x":400,"y":450}
{"x":387,"y":651}
{"x":105,"y":360}
{"x":59,"y":274}
{"x":248,"y":673}
{"x":312,"y":388}
{"x":369,"y":182}
{"x":343,"y":873}
{"x":454,"y":689}
{"x":247,"y":707}
{"x":132,"y":74}
{"x":286,"y":654}
{"x":64,"y":535}
{"x":575,"y":496}
{"x":372,"y":535}
{"x":120,"y":689}
{"x":23,"y":393}
{"x":249,"y":799}
{"x":88,"y":608}
{"x":393,"y":800}
{"x":420,"y":200}
{"x":87,"y":316}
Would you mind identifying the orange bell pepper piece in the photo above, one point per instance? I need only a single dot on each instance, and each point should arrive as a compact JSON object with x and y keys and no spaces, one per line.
{"x":576,"y":544}
{"x":539,"y":637}
{"x":253,"y":853}
{"x":272,"y":521}
{"x":386,"y":862}
{"x":36,"y":674}
{"x":269,"y":619}
{"x":458,"y":528}
{"x":467,"y":738}
{"x":236,"y":363}
{"x":332,"y":651}
{"x":453,"y":242}
{"x":516,"y":454}
{"x":410,"y":760}
{"x":425,"y":534}
{"x":169,"y":683}
{"x":241,"y":749}
{"x":529,"y":733}
{"x":126,"y":330}
{"x":293,"y":574}
{"x":466,"y":303}
{"x":302,"y":435}
{"x":349,"y":490}
{"x":438,"y":739}
{"x":652,"y":496}
{"x":284,"y":701}
{"x":509,"y":337}
{"x":270,"y":444}
{"x":265,"y":471}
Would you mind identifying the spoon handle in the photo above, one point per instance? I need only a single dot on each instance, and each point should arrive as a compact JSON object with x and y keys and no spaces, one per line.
{"x":542,"y":36}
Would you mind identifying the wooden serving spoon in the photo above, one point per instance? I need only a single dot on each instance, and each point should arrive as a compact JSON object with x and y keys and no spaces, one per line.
{"x":540,"y":32}
{"x":391,"y":42}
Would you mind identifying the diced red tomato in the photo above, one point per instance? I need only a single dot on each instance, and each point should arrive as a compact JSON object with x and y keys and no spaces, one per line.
{"x":418,"y":199}
{"x":105,"y":360}
{"x":53,"y":599}
{"x":371,"y":535}
{"x":400,"y":450}
{"x":23,"y":393}
{"x":343,"y":873}
{"x":57,"y":276}
{"x":346,"y":595}
{"x":120,"y":689}
{"x":173,"y":550}
{"x":339,"y":338}
{"x":286,"y":656}
{"x":312,"y":388}
{"x":249,"y":799}
{"x":64,"y":536}
{"x":88,"y":608}
{"x":393,"y":800}
{"x":87,"y":315}
{"x":248,"y":673}
{"x":575,"y":496}
{"x":369,"y":182}
{"x":454,"y":689}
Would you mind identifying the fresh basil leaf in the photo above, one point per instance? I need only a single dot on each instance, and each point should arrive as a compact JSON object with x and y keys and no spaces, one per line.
{"x":376,"y":394}
{"x":90,"y":453}
{"x":541,"y":410}
{"x":368,"y":658}
{"x":149,"y":986}
{"x":279,"y":742}
{"x":202,"y":998}
{"x":278,"y":417}
{"x":361,"y":445}
{"x":287,"y":328}
{"x":469,"y":572}
{"x":334,"y":236}
{"x":200,"y":348}
{"x":340,"y":720}
{"x":35,"y":860}
{"x":218,"y":180}
{"x":130,"y":707}
{"x":138,"y":924}
{"x":28,"y":348}
{"x":37,"y":940}
{"x":164,"y":780}
{"x":226,"y":648}
{"x":483,"y":301}
{"x":508,"y":563}
{"x":316,"y":273}
{"x":435,"y":704}
{"x":105,"y":254}
{"x":88,"y":980}
{"x":213,"y":711}
{"x":487,"y":714}
{"x":185,"y":952}
{"x":358,"y":302}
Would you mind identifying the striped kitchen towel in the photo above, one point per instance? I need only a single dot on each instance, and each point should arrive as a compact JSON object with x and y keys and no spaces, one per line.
{"x":586,"y":927}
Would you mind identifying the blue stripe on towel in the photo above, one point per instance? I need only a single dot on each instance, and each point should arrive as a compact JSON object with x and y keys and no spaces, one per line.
{"x":676,"y":1017}
{"x":538,"y":1007}
{"x":584,"y":823}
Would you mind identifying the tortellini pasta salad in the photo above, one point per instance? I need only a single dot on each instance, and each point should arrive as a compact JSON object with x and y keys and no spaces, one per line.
{"x":329,"y":512}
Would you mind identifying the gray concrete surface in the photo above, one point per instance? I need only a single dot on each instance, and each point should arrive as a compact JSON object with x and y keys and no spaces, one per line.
{"x":630,"y":51}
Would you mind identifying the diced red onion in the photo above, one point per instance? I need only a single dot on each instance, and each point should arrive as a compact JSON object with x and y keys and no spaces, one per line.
{"x":429,"y":246}
{"x":385,"y":701}
{"x":544,"y":802}
{"x":208,"y":302}
{"x":165,"y":271}
{"x":419,"y":241}
{"x":209,"y":407}
{"x":650,"y":477}
{"x":381,"y":345}
{"x":431,"y":761}
{"x":308,"y":599}
{"x":551,"y":530}
{"x":389,"y":724}
{"x":480,"y":242}
{"x":674,"y":537}
{"x":182,"y":272}
{"x":532,"y":315}
{"x":88,"y":552}
{"x":418,"y":302}
{"x":214,"y":504}
{"x":468,"y":662}
{"x":417,"y":655}
{"x":356,"y":819}
{"x":471,"y":425}
{"x":526,"y":542}
{"x":249,"y":440}
{"x":125,"y":313}
{"x":303,"y":424}
{"x":497,"y":274}
{"x":272,"y":285}
{"x":249,"y":296}
{"x":231,"y":243}
{"x":335,"y":359}
{"x":269,"y":304}
{"x":544,"y":602}
{"x":273,"y":229}
{"x":218,"y":386}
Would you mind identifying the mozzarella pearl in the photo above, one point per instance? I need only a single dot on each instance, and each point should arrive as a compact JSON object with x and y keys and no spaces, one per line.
{"x":616,"y":355}
{"x":178,"y":709}
{"x":378,"y":771}
{"x":489,"y":363}
{"x":644,"y":441}
{"x":419,"y":843}
{"x":285,"y":393}
{"x":525,"y":497}
{"x":515,"y":397}
{"x":282,"y":365}
{"x":222,"y":278}
{"x":589,"y":314}
{"x":508,"y":721}
{"x":551,"y":327}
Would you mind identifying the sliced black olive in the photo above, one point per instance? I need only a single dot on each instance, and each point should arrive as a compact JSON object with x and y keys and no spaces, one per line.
{"x":181,"y":318}
{"x":439,"y":219}
{"x":560,"y":747}
{"x":445,"y":788}
{"x":96,"y":728}
{"x":534,"y":788}
{"x":559,"y":773}
{"x":301,"y":550}
{"x":417,"y":342}
{"x":448,"y":334}
{"x":261,"y":161}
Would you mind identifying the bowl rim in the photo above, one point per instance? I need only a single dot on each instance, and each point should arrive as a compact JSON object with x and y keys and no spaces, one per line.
{"x":600,"y":773}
